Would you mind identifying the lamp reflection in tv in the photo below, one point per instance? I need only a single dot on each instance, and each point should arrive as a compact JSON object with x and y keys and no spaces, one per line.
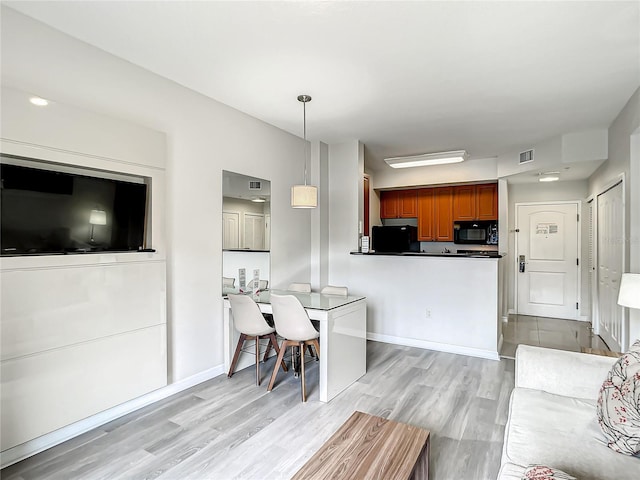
{"x":97,"y":217}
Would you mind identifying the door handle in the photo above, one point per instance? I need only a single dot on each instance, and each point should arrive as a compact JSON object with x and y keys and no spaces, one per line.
{"x":521,"y":263}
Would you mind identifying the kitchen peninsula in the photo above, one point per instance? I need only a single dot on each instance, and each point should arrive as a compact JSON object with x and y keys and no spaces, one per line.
{"x":440,"y":301}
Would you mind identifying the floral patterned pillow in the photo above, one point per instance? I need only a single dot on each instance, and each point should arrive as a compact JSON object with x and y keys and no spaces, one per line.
{"x":619,"y":403}
{"x":542,"y":472}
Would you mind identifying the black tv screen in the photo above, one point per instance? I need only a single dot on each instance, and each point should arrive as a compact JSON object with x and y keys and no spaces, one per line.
{"x":49,"y":212}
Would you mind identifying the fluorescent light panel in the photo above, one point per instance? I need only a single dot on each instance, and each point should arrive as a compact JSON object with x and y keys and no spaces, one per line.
{"x":548,"y":179}
{"x":427,"y":159}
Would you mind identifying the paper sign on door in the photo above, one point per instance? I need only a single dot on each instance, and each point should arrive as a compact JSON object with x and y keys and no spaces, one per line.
{"x":546,"y":228}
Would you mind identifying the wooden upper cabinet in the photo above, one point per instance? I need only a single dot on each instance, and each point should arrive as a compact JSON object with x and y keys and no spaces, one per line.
{"x":408,"y":203}
{"x":487,"y":201}
{"x":399,"y":204}
{"x":438,"y":207}
{"x":389,"y":204}
{"x":464,"y":202}
{"x":443,"y":201}
{"x":475,"y":202}
{"x":425,"y":215}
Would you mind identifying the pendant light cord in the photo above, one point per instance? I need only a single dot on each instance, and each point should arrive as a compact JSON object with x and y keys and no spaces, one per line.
{"x":304,"y":133}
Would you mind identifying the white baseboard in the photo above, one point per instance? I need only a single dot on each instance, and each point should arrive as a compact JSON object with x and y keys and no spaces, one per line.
{"x":439,"y":347}
{"x":37,"y":445}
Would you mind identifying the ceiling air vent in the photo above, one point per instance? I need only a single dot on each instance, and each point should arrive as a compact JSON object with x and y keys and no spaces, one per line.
{"x":255,"y":185}
{"x":526,"y":157}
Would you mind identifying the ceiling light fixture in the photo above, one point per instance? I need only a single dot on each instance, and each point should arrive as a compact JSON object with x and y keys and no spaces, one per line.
{"x":258,"y":199}
{"x":548,"y":179}
{"x":39,"y":101}
{"x":439,"y":158}
{"x":304,"y":196}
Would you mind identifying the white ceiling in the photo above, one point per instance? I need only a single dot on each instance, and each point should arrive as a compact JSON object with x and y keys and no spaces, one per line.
{"x":402,"y":77}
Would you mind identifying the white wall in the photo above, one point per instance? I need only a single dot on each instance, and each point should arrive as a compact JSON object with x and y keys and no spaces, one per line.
{"x":320,"y":216}
{"x":621,"y":131}
{"x":400,"y":289}
{"x":634,"y":227}
{"x":549,"y":192}
{"x":550,"y":153}
{"x":346,"y":169}
{"x":204,"y":137}
{"x":477,"y":170}
{"x":233,"y":261}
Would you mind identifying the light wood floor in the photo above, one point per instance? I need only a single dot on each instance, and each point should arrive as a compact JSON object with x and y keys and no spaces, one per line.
{"x":230,"y":428}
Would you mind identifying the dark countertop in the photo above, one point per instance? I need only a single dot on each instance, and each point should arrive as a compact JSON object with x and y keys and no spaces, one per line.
{"x":424,"y":254}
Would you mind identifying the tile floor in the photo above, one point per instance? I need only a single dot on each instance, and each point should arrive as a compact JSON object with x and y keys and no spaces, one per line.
{"x":547,"y":332}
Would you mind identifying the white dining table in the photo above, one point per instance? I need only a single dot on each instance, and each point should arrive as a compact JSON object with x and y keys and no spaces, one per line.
{"x":343,"y":337}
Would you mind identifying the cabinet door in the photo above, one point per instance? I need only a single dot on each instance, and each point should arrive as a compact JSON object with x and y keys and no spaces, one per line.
{"x":389,"y":204}
{"x":487,"y":201}
{"x":425,"y":214}
{"x":443,"y":199}
{"x":464,"y":202}
{"x":408,"y":203}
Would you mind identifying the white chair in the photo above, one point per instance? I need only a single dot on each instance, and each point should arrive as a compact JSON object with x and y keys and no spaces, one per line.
{"x":332,"y":290}
{"x":293,"y":324}
{"x":229,"y":282}
{"x":248,"y":320}
{"x":300,"y":287}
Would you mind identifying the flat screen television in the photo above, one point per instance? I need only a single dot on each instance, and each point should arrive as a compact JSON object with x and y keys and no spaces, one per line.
{"x":50,"y":212}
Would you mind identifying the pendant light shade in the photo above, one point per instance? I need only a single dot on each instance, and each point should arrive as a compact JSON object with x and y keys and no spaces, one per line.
{"x":304,"y":196}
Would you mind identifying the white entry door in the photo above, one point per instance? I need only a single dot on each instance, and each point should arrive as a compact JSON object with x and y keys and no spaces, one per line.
{"x":253,"y":231}
{"x":230,"y":230}
{"x":547,"y":267}
{"x":610,"y":245}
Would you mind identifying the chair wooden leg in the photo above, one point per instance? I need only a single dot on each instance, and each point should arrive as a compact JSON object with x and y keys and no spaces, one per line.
{"x":268,"y":350}
{"x":316,"y":345}
{"x":257,"y":337}
{"x":274,"y":341}
{"x":283,"y":348}
{"x":304,"y":386}
{"x":310,"y":351}
{"x":236,"y":354}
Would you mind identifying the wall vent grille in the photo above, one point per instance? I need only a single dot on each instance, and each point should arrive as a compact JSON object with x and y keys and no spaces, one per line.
{"x":526,"y":157}
{"x":255,"y":185}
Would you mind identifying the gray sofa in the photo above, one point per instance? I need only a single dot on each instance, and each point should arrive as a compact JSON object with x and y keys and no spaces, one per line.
{"x":552,"y":417}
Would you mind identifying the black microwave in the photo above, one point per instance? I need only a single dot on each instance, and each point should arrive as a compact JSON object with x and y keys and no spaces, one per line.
{"x":476,"y":233}
{"x":402,"y":238}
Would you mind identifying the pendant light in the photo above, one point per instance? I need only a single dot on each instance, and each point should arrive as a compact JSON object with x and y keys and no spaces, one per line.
{"x":304,"y":196}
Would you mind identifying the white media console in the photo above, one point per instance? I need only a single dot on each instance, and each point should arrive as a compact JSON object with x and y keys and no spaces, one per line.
{"x":80,"y":333}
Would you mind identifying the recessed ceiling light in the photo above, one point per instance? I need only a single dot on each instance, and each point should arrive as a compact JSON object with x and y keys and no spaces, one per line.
{"x":548,"y":179}
{"x":258,"y":200}
{"x":439,"y":158}
{"x":39,"y":101}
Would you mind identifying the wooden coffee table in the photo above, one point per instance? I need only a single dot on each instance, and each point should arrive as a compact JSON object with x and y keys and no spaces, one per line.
{"x":371,"y":447}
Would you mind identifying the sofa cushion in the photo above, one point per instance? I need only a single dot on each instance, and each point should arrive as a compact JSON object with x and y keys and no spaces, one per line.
{"x":543,"y":472}
{"x":619,"y":403}
{"x":563,"y":432}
